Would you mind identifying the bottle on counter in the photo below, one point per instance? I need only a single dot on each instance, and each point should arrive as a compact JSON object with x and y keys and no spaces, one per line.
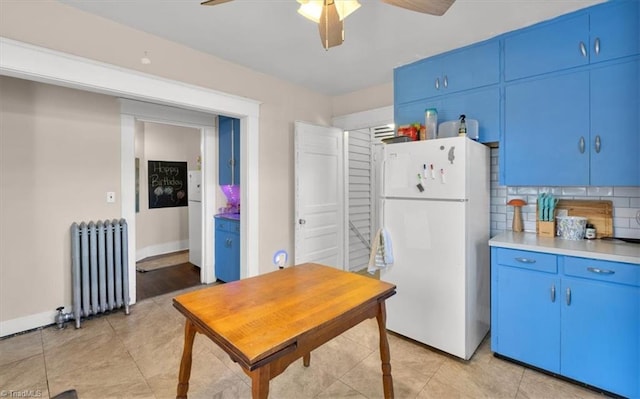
{"x":590,"y":232}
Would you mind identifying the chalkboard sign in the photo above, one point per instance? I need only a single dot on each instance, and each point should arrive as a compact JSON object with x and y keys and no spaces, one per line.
{"x":167,"y":184}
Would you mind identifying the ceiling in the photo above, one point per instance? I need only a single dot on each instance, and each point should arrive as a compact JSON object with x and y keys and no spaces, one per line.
{"x":269,"y":36}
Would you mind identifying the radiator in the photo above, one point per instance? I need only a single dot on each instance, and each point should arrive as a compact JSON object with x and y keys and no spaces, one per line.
{"x":99,"y":268}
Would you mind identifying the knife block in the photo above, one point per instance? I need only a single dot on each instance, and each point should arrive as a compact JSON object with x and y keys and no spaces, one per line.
{"x":546,"y":229}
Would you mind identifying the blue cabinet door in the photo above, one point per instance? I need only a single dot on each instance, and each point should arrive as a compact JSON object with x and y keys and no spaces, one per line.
{"x":615,"y":30}
{"x":528,"y":317}
{"x":546,"y":132}
{"x":228,"y":150}
{"x":600,"y":335}
{"x":548,"y":47}
{"x":482,"y":105}
{"x":473,"y":67}
{"x":415,"y":81}
{"x":227,"y":250}
{"x":615,"y":120}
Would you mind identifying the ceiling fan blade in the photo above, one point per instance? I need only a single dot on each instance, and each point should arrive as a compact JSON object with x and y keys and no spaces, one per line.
{"x":433,"y":7}
{"x":213,"y":2}
{"x":330,"y":26}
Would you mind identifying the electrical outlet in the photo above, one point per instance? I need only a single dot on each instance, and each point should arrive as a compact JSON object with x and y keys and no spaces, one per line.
{"x":111,"y":197}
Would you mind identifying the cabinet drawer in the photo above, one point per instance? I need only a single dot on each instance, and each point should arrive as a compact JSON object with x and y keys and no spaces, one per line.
{"x":227,"y":225}
{"x":615,"y":272}
{"x":528,"y":260}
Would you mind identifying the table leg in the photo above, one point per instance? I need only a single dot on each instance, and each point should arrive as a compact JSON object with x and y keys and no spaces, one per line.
{"x":306,"y":359}
{"x":260,"y":382}
{"x":385,"y":357}
{"x":185,"y":363}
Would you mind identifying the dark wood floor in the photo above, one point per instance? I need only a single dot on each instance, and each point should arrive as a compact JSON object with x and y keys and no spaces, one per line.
{"x":165,"y":280}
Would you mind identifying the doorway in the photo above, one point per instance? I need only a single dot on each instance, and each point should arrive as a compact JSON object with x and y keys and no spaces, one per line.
{"x":363,"y":134}
{"x":168,"y":237}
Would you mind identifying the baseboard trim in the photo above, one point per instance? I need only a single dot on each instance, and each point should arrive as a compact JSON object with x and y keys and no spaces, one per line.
{"x":160,"y":249}
{"x":21,"y":324}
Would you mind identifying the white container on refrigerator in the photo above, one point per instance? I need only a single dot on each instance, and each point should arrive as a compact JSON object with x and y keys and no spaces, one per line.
{"x":440,"y":242}
{"x":194,"y":194}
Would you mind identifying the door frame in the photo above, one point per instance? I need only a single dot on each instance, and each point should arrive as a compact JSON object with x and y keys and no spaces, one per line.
{"x":355,"y":121}
{"x":30,"y":62}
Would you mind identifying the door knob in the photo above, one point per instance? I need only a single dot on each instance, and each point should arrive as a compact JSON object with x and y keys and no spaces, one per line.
{"x":302,"y":221}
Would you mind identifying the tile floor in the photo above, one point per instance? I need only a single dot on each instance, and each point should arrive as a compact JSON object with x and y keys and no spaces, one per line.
{"x":138,"y":356}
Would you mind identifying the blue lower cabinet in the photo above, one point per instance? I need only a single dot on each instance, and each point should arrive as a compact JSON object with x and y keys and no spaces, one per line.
{"x":580,"y":320}
{"x":227,"y":247}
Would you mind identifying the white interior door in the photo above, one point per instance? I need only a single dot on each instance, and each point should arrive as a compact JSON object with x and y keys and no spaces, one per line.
{"x":319,"y":195}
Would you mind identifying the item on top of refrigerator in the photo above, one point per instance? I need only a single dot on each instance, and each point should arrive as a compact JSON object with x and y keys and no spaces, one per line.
{"x":431,"y":123}
{"x":462,"y":126}
{"x":451,"y":129}
{"x":410,"y":131}
{"x":396,"y":139}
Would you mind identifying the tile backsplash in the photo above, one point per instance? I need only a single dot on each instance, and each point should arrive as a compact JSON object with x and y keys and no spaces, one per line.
{"x":626,"y":203}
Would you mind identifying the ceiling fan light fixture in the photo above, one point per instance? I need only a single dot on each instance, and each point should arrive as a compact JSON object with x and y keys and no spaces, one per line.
{"x":312,"y":9}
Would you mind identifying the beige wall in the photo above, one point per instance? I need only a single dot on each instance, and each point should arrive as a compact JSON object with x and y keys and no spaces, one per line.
{"x":163,"y":227}
{"x":54,"y":25}
{"x":59,"y":155}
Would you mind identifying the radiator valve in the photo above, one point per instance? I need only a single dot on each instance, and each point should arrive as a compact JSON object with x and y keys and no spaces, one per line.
{"x":62,"y":317}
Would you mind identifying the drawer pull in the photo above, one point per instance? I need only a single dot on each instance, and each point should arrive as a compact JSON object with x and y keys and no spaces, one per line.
{"x":525,"y":260}
{"x":583,"y":49}
{"x":553,"y":293}
{"x":600,"y":271}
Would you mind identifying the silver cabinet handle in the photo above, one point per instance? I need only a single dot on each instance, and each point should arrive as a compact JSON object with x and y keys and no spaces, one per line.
{"x":568,"y":296}
{"x":581,"y":145}
{"x":596,"y":46}
{"x":600,"y":271}
{"x":445,"y":81}
{"x":437,"y":84}
{"x":583,"y":49}
{"x":598,"y":144}
{"x":553,"y":293}
{"x":525,"y":260}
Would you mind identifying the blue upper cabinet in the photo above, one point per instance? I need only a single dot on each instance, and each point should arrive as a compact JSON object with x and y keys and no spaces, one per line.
{"x":602,"y":33}
{"x":415,"y":81}
{"x":615,"y":30}
{"x":548,"y":47}
{"x":228,"y":150}
{"x":471,"y":67}
{"x":546,"y":140}
{"x":578,"y":128}
{"x":467,"y":68}
{"x":458,"y":82}
{"x":614,"y":145}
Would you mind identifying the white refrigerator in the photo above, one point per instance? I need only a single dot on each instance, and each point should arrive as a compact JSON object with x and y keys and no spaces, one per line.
{"x":435,"y":207}
{"x":194,"y":194}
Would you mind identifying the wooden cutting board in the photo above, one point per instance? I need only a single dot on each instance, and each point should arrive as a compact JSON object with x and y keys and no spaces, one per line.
{"x":598,"y":213}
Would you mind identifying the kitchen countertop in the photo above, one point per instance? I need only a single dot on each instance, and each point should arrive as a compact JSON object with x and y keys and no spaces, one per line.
{"x":616,"y":251}
{"x":229,"y":216}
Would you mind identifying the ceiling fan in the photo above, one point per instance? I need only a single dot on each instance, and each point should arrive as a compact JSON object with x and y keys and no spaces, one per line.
{"x":330,"y":14}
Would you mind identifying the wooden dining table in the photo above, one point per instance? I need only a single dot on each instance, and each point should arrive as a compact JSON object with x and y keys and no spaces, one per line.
{"x":267,"y":322}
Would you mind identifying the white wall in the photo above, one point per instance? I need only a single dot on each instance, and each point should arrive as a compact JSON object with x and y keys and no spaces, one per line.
{"x":59,"y":155}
